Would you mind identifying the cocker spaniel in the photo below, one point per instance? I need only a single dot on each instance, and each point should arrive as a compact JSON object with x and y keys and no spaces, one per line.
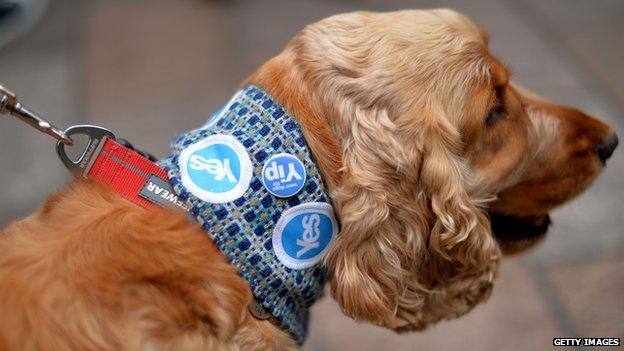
{"x":435,"y":164}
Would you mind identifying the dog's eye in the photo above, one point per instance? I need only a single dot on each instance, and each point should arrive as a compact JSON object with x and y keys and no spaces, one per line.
{"x":496,"y":113}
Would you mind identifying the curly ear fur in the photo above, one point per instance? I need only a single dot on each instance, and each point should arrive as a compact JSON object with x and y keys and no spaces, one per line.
{"x":415,"y":247}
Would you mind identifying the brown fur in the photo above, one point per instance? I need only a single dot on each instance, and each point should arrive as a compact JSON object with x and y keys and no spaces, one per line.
{"x":393,"y":107}
{"x":94,"y":271}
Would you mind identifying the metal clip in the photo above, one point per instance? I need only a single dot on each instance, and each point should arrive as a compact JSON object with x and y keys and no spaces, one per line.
{"x":9,"y":105}
{"x":97,"y":136}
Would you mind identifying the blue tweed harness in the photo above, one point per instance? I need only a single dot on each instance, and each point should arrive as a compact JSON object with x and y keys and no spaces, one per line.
{"x":249,"y":179}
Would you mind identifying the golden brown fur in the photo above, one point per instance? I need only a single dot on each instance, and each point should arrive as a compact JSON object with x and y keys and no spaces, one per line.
{"x":394,"y":109}
{"x":92,"y":270}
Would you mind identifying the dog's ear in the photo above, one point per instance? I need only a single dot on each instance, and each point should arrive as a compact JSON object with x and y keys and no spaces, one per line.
{"x":414,"y":246}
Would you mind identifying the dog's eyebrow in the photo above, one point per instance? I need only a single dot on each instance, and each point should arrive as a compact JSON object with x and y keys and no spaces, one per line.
{"x":499,"y":90}
{"x":500,"y":82}
{"x":500,"y":75}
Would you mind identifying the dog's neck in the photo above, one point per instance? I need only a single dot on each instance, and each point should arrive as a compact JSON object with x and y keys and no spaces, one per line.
{"x":250,"y":179}
{"x":280,"y":78}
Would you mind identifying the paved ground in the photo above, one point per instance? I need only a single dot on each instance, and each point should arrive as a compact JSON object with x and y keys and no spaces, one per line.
{"x":150,"y":69}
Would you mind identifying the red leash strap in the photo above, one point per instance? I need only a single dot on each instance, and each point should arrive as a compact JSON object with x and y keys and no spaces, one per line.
{"x":125,"y":171}
{"x":129,"y":173}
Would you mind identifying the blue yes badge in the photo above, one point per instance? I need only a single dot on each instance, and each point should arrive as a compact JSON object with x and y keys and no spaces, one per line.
{"x":283,"y":175}
{"x":303,"y":234}
{"x":216,"y":169}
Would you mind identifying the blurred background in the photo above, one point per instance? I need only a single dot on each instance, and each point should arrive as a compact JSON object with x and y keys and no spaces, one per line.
{"x":151,"y":69}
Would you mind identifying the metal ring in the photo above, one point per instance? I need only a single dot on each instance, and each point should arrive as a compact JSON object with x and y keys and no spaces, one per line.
{"x":97,"y":136}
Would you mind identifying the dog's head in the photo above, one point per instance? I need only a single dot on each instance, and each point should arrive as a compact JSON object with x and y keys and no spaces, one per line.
{"x":427,"y":148}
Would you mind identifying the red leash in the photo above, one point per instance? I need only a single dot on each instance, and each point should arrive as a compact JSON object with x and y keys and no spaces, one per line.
{"x":129,"y":173}
{"x":125,"y":171}
{"x":103,"y":159}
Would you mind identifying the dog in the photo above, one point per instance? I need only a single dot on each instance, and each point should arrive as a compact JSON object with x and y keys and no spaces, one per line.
{"x":435,"y":163}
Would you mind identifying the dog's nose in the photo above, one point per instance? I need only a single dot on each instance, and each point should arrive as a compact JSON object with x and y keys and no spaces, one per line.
{"x":605,"y":149}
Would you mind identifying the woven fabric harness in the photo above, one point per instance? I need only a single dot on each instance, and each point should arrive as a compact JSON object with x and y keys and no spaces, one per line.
{"x":237,"y":174}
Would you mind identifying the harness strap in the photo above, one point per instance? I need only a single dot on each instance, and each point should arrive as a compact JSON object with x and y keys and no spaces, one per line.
{"x":125,"y":170}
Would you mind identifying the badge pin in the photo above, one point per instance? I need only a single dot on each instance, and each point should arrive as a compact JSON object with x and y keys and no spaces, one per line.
{"x":216,"y":169}
{"x":283,"y":175}
{"x":304,"y":233}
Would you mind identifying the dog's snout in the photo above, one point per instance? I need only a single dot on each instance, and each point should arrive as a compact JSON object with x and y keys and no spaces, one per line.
{"x":605,"y":149}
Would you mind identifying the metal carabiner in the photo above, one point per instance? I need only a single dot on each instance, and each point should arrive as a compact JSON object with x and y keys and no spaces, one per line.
{"x":9,"y":105}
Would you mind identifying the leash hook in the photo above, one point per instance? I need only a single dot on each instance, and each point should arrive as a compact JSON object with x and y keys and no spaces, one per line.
{"x":10,"y":106}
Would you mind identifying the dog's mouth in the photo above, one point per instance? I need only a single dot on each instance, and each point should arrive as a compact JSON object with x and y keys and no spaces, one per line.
{"x":516,"y":234}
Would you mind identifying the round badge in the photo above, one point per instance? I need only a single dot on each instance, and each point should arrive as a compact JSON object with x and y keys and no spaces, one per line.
{"x":283,"y":175}
{"x":303,"y":234}
{"x":216,"y":169}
